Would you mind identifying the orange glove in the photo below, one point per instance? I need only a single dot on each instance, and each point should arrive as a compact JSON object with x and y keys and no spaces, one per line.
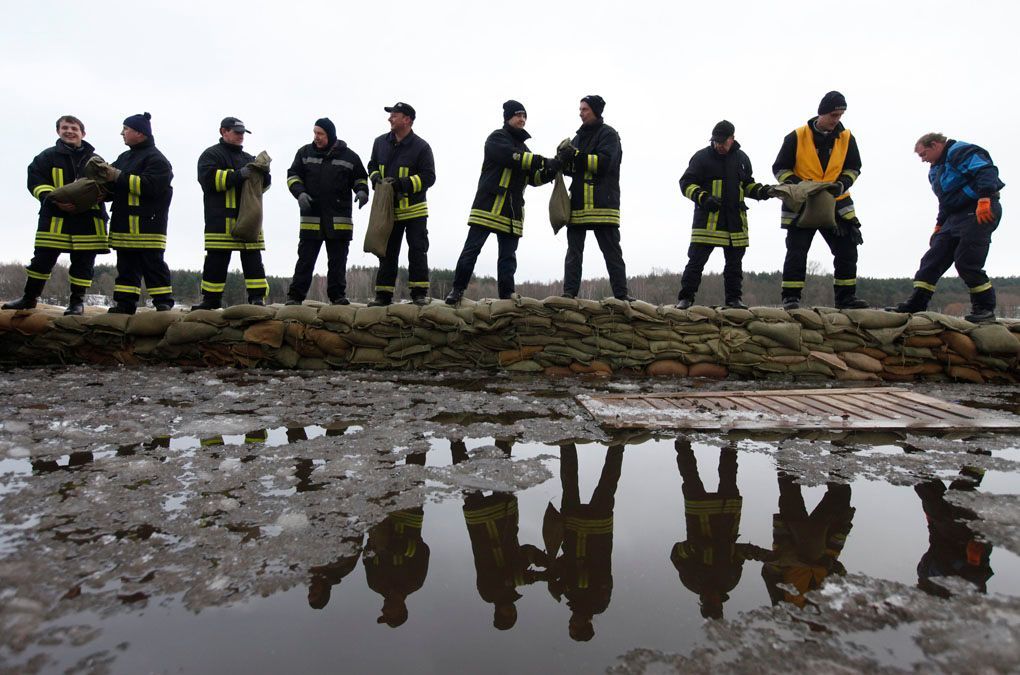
{"x":984,"y":211}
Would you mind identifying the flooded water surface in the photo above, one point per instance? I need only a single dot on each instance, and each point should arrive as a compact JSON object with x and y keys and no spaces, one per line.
{"x":223,"y":522}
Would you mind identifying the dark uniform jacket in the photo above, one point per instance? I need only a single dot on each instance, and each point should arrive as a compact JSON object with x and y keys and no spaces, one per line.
{"x":398,"y":559}
{"x":330,"y":176}
{"x":141,"y":198}
{"x":963,"y":174}
{"x":595,"y":174}
{"x":500,"y":563}
{"x":585,"y":570}
{"x":729,"y":178}
{"x":221,"y":187}
{"x":838,"y":160}
{"x":56,"y":167}
{"x":508,"y":167}
{"x":410,"y":161}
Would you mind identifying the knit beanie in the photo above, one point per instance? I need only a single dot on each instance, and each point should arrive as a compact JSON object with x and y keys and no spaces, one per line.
{"x":511,"y":108}
{"x":596,"y":103}
{"x":831,"y":102}
{"x":327,"y":125}
{"x":140,"y":123}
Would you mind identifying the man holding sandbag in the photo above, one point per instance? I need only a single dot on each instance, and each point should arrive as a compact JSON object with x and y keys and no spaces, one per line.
{"x":822,"y":150}
{"x":324,"y":176}
{"x":62,"y":227}
{"x":507,"y":168}
{"x":222,"y":169}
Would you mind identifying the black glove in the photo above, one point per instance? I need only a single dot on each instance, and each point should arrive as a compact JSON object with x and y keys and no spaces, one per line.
{"x":855,"y":232}
{"x":390,"y":180}
{"x":243,"y":173}
{"x":362,"y":198}
{"x":566,"y":153}
{"x":305,"y":200}
{"x":552,"y":165}
{"x":710,"y":203}
{"x":376,"y":179}
{"x":769,"y":191}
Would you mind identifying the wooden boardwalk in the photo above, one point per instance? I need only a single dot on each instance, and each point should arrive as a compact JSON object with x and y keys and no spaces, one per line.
{"x":863,"y":409}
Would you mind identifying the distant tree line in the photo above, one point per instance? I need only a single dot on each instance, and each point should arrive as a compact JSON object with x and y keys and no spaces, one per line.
{"x":658,"y":287}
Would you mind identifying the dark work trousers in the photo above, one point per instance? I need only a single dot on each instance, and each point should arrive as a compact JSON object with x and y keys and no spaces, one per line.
{"x":603,"y":499}
{"x":964,"y":242}
{"x":733,"y":272}
{"x":506,"y":263}
{"x":844,"y":262}
{"x":336,"y":272}
{"x":135,"y":264}
{"x":693,"y":487}
{"x":834,"y":505}
{"x":608,"y":237}
{"x":417,"y":258}
{"x":79,"y":274}
{"x":214,"y":273}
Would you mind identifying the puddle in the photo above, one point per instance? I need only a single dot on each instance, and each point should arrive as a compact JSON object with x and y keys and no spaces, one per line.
{"x":447,"y":528}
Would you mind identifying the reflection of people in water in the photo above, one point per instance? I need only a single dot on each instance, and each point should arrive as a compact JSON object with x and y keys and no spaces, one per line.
{"x":501,"y":563}
{"x":397,"y":559}
{"x":806,"y":547}
{"x":584,"y":573}
{"x":325,"y":577}
{"x":711,"y":561}
{"x":953,"y":548}
{"x":74,"y":460}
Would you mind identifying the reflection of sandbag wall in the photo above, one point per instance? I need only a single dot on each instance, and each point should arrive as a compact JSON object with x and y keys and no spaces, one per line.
{"x":557,"y":336}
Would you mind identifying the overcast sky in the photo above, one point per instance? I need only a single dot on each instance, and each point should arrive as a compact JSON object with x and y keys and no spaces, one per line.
{"x":668,"y":72}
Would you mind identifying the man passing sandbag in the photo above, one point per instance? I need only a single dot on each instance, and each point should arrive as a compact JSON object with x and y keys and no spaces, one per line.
{"x":223,"y":169}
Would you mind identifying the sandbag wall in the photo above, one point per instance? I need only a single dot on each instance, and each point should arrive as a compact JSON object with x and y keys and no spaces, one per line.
{"x":555,"y":336}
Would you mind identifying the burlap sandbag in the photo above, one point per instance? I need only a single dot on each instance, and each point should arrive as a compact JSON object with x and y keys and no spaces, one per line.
{"x":186,"y":332}
{"x":992,"y":338}
{"x":151,"y":324}
{"x":815,"y":202}
{"x":248,"y":225}
{"x":83,"y":194}
{"x":380,"y":220}
{"x":559,"y":204}
{"x":269,"y":333}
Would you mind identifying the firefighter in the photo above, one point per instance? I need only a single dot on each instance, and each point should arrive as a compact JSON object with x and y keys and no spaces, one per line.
{"x":60,"y":229}
{"x":717,"y":180}
{"x":325,"y":577}
{"x":806,"y":548}
{"x":822,"y":150}
{"x":592,"y":159}
{"x":222,"y":169}
{"x":584,"y":573}
{"x":507,"y":167}
{"x":141,"y":179}
{"x":325,"y":175}
{"x":404,"y":160}
{"x":710,"y":561}
{"x":501,"y":562}
{"x":967,"y":186}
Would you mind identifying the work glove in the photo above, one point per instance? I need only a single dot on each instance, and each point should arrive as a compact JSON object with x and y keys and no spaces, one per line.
{"x":566,"y":154}
{"x":983,"y":212}
{"x":305,"y":201}
{"x":111,"y":174}
{"x":771,"y":192}
{"x":376,"y":179}
{"x":362,"y":198}
{"x":552,"y":165}
{"x":710,"y":203}
{"x":243,"y":173}
{"x":390,"y":180}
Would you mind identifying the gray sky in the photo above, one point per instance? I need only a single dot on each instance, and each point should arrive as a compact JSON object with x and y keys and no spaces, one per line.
{"x":668,"y":72}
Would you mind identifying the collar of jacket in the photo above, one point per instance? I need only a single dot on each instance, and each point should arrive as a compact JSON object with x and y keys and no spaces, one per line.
{"x":231,"y":147}
{"x":733,"y":149}
{"x":147,"y":143}
{"x":825,"y":134}
{"x":519,"y":134}
{"x":392,"y":138}
{"x":945,"y":152}
{"x":66,"y":149}
{"x":587,"y":129}
{"x":329,"y":151}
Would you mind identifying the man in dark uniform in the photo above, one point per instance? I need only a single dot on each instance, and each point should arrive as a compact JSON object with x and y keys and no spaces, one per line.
{"x":717,"y":180}
{"x":324,"y":176}
{"x":404,"y":160}
{"x":140,"y":180}
{"x":710,"y":562}
{"x":508,"y":166}
{"x":60,"y":228}
{"x":325,"y":577}
{"x":592,"y":159}
{"x":967,"y":185}
{"x":222,"y":169}
{"x":822,"y":150}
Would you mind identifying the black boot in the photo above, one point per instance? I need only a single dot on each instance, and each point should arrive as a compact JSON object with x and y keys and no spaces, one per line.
{"x":791,"y":302}
{"x":257,"y":300}
{"x":75,"y":305}
{"x":209,"y":301}
{"x":28,"y":300}
{"x":917,"y":302}
{"x":421,"y":299}
{"x":381,"y":300}
{"x":685,"y":303}
{"x":454,"y":296}
{"x":982,"y":306}
{"x":981,"y":314}
{"x":122,"y":307}
{"x":735,"y":303}
{"x":846,"y":298}
{"x":340,"y":300}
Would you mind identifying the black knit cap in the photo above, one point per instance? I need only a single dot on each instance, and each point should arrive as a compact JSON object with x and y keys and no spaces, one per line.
{"x":596,"y":103}
{"x":140,"y":123}
{"x":327,"y":125}
{"x":722,"y":130}
{"x":831,"y":102}
{"x":511,"y":108}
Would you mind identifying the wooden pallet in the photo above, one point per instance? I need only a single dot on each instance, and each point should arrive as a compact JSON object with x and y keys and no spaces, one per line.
{"x":872,"y":408}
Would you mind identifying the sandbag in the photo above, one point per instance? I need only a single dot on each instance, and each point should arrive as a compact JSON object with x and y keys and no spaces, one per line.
{"x":991,"y":338}
{"x":151,"y":324}
{"x":269,"y":333}
{"x":559,"y":204}
{"x":83,"y":194}
{"x":186,"y":332}
{"x":380,"y":221}
{"x":815,"y":201}
{"x":248,"y":225}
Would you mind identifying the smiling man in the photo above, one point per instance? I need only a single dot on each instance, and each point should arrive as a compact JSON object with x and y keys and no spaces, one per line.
{"x":60,"y":228}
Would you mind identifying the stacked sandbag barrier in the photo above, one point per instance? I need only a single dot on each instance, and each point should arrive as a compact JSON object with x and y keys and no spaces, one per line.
{"x":555,"y":336}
